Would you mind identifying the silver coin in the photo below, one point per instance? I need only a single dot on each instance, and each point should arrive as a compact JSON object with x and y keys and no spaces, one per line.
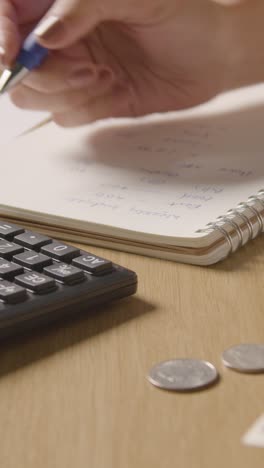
{"x":245,"y":357}
{"x":183,"y":374}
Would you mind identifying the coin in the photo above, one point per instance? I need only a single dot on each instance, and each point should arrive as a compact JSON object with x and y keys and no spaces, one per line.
{"x":245,"y":357}
{"x":183,"y":374}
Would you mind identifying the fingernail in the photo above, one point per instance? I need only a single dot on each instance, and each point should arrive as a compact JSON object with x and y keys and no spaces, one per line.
{"x":82,"y":78}
{"x":49,"y":28}
{"x":2,"y":56}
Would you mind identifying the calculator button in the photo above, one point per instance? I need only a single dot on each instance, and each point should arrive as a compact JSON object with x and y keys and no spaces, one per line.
{"x":60,"y":251}
{"x":8,"y":249}
{"x":8,"y":269}
{"x":32,"y":240}
{"x":36,"y":282}
{"x":93,"y":264}
{"x":8,"y":230}
{"x":11,"y":293}
{"x":66,"y":273}
{"x":31,"y":259}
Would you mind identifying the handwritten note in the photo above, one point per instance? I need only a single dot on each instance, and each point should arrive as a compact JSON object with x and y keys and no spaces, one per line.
{"x":163,"y":177}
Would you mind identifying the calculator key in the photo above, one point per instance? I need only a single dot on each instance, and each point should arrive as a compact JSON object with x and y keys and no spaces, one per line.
{"x":60,"y":251}
{"x":36,"y":282}
{"x":8,"y":249}
{"x":32,"y":240}
{"x":7,"y":230}
{"x":12,"y":293}
{"x":9,"y":270}
{"x":93,"y":264}
{"x":34,"y":260}
{"x":66,"y":273}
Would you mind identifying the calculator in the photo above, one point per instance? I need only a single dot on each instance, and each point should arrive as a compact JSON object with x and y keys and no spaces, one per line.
{"x":43,"y":280}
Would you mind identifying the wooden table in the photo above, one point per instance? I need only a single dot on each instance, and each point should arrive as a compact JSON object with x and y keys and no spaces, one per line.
{"x":77,"y":396}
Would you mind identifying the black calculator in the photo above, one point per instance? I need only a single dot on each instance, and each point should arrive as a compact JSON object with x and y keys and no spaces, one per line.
{"x":43,"y":280}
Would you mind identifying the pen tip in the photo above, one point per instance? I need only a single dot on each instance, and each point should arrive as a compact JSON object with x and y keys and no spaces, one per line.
{"x":12,"y":77}
{"x":4,"y":80}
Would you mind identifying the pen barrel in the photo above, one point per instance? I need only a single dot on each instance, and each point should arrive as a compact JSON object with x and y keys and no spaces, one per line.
{"x":32,"y":54}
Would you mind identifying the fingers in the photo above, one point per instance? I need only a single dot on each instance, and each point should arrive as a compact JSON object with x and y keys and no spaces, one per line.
{"x":63,"y":72}
{"x":72,"y":68}
{"x":113,"y":104}
{"x":14,"y":16}
{"x":78,"y":108}
{"x":67,"y":21}
{"x":27,"y":98}
{"x":74,"y":94}
{"x":30,"y":11}
{"x":9,"y":34}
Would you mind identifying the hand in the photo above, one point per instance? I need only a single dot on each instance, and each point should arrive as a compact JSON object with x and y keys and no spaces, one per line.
{"x":125,"y":57}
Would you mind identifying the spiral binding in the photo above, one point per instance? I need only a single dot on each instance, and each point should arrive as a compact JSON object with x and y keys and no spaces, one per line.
{"x":233,"y":223}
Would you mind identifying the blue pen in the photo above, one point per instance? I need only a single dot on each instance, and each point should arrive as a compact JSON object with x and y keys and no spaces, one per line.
{"x":30,"y":57}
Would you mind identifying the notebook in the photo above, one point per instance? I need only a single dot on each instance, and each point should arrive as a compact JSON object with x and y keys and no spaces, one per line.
{"x":185,"y":186}
{"x":14,"y":121}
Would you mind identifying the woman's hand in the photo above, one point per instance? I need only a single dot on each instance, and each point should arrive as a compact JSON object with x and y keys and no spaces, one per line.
{"x":125,"y":57}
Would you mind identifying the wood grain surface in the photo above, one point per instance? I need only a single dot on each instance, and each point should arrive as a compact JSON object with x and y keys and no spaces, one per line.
{"x":76,"y":395}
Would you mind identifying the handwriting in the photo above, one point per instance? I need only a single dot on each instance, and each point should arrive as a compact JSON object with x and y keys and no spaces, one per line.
{"x":208,"y":188}
{"x":193,"y":196}
{"x":158,"y":214}
{"x":233,"y":171}
{"x":190,"y":206}
{"x":92,"y":203}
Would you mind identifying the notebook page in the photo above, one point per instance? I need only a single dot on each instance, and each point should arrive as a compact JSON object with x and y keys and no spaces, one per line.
{"x":14,"y":121}
{"x":166,"y":176}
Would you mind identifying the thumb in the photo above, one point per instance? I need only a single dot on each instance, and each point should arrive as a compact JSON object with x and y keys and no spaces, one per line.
{"x":67,"y":21}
